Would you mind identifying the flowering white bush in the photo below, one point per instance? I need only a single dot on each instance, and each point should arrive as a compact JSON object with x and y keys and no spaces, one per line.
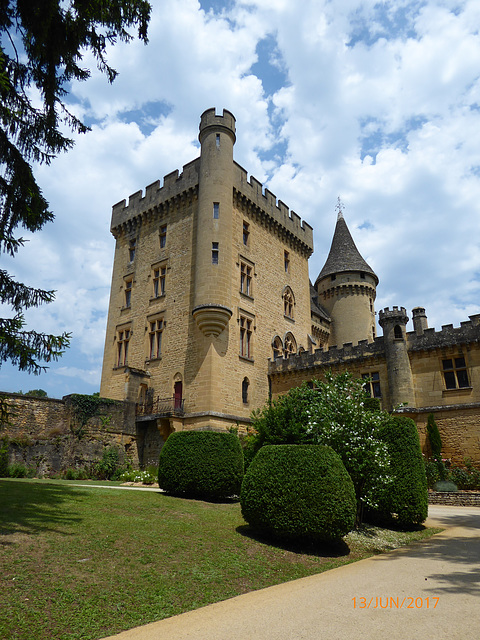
{"x":138,"y":476}
{"x":332,"y":413}
{"x":338,"y":419}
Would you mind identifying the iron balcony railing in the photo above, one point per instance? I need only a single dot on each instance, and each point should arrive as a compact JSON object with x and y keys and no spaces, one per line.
{"x":161,"y":407}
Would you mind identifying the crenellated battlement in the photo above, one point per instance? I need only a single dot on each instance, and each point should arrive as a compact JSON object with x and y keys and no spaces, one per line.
{"x":332,"y":356}
{"x":174,"y":186}
{"x":210,"y":120}
{"x":251,"y":195}
{"x":248,"y":193}
{"x":449,"y":336}
{"x":396,"y":314}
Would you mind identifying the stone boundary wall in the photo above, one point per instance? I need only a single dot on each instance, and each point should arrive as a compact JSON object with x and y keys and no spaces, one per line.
{"x":459,"y":427}
{"x":455,"y":498}
{"x":52,"y":434}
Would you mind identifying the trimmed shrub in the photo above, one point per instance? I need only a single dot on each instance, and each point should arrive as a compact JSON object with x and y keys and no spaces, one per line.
{"x":405,"y":499}
{"x":201,"y":464}
{"x":434,"y":437}
{"x":300,"y":492}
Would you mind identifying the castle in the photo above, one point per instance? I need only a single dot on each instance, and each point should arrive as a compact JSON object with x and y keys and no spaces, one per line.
{"x":212,"y":310}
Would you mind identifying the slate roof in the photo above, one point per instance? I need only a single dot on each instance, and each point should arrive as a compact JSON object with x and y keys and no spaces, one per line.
{"x":344,"y":255}
{"x":315,"y":307}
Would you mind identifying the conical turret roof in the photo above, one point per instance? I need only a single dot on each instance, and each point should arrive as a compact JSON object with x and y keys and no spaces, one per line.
{"x":344,"y":255}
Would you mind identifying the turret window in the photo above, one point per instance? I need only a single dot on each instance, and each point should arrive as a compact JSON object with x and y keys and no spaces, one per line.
{"x":217,"y":141}
{"x":246,"y":330}
{"x":286,"y":261}
{"x":123,"y":341}
{"x":216,"y":210}
{"x":246,"y":272}
{"x":159,"y":277}
{"x":455,"y":373}
{"x":155,"y":338}
{"x":128,"y":292}
{"x":214,"y":252}
{"x":246,"y":233}
{"x":163,"y":236}
{"x":397,"y":332}
{"x":132,"y":246}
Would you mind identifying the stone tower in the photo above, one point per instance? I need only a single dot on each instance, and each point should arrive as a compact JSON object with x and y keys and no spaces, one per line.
{"x":400,"y":378}
{"x":213,"y":252}
{"x":210,"y":281}
{"x":346,"y":288}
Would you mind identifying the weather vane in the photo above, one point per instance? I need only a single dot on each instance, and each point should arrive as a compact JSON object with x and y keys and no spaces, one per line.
{"x":339,"y":207}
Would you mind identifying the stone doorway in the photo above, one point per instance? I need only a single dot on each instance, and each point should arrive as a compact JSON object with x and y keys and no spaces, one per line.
{"x":151,"y":436}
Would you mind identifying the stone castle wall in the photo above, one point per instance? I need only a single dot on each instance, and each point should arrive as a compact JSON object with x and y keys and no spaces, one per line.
{"x":456,"y":411}
{"x":48,"y":433}
{"x":459,"y":427}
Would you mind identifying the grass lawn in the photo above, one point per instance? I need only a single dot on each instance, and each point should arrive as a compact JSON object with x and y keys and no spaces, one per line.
{"x":84,"y":563}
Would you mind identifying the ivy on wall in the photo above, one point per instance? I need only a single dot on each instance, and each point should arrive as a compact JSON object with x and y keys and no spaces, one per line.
{"x":86,"y":407}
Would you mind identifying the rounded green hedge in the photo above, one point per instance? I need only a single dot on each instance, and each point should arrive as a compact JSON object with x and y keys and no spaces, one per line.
{"x":405,"y":499}
{"x":201,"y":464}
{"x":300,"y":492}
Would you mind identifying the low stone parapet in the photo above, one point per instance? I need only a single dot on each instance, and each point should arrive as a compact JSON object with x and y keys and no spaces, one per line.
{"x":455,"y":498}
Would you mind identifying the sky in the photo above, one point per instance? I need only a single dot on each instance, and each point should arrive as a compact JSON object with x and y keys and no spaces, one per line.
{"x":377,"y":103}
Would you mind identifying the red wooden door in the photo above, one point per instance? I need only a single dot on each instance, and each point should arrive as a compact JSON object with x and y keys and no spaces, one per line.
{"x":177,"y":395}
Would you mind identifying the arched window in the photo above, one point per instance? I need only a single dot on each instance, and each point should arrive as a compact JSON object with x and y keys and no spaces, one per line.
{"x":290,"y":345}
{"x":397,"y":332}
{"x":277,"y":346}
{"x":288,"y":302}
{"x":245,"y":385}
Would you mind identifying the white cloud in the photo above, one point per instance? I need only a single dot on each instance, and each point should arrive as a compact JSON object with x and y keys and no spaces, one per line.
{"x":380,"y":104}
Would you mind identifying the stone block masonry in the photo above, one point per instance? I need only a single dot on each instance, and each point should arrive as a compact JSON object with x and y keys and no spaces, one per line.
{"x":53,"y":435}
{"x":455,"y":498}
